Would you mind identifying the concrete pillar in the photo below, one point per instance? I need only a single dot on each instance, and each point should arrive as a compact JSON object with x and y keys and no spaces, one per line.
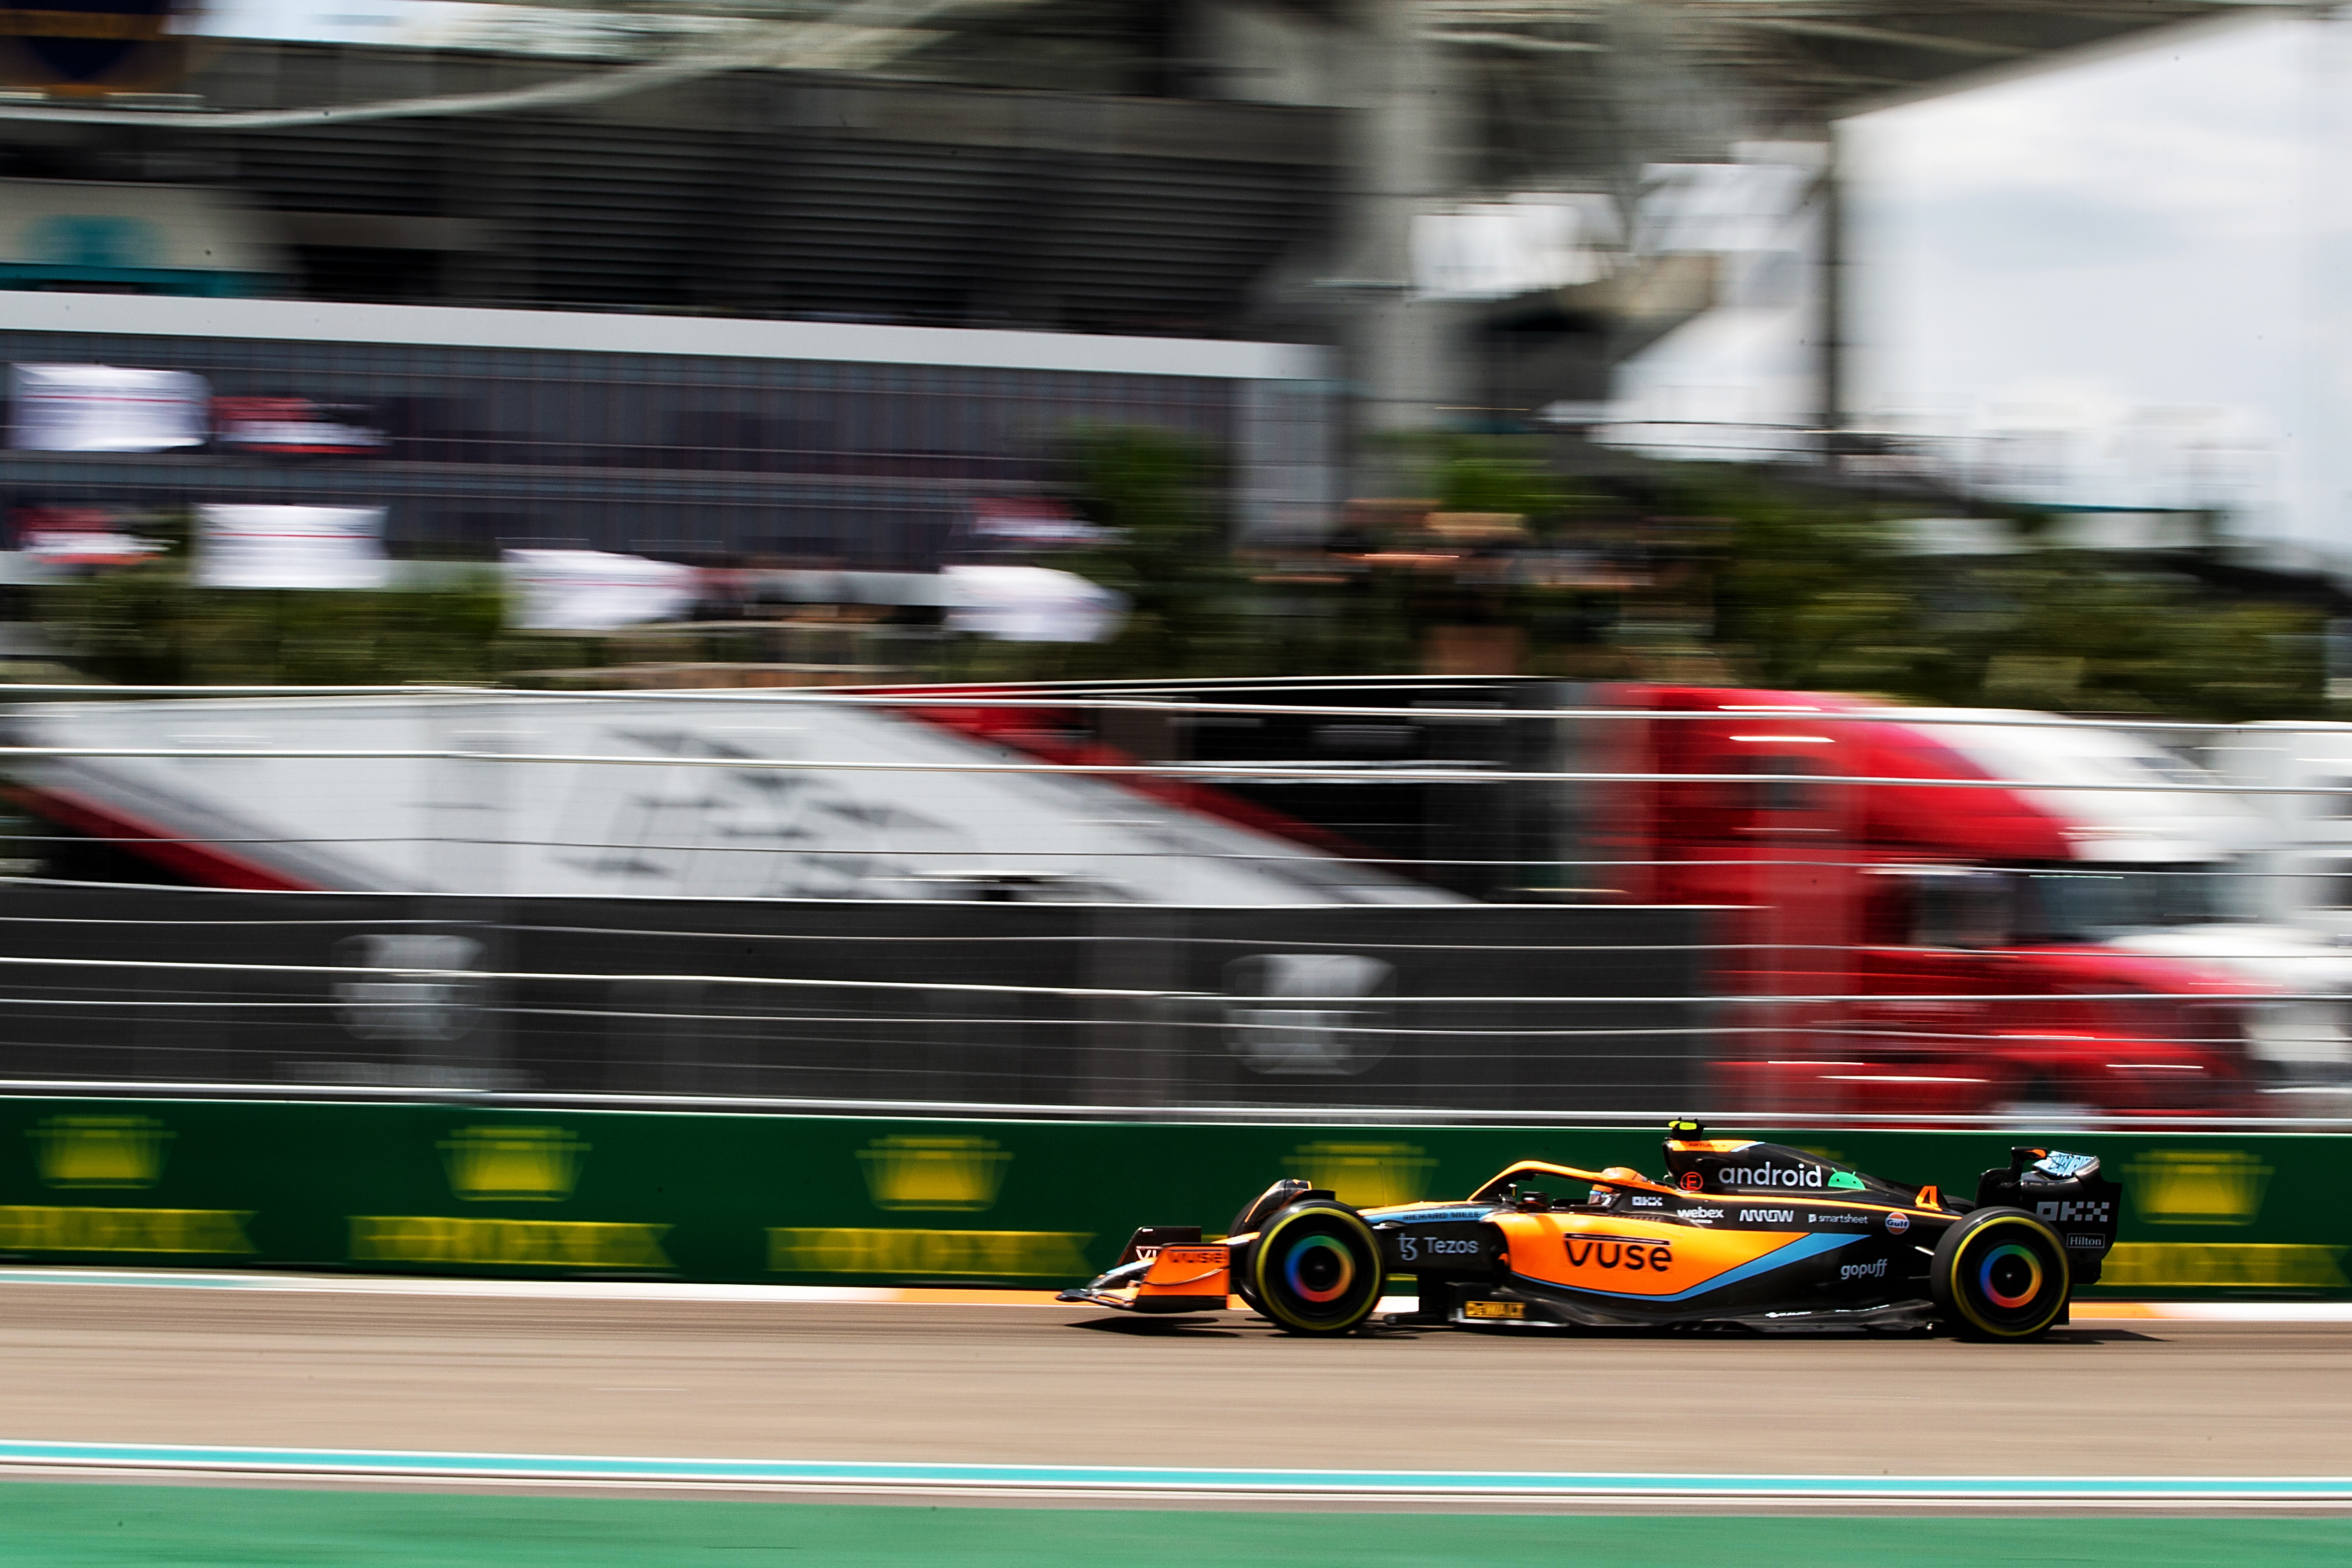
{"x":1402,"y":354}
{"x":1831,"y":413}
{"x":2320,"y":479}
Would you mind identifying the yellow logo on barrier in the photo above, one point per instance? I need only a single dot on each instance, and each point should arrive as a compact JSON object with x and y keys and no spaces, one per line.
{"x":2197,"y":1187}
{"x":532,"y":1164}
{"x":38,"y":1229}
{"x":532,"y":1243}
{"x":100,"y":1150}
{"x":2180,"y":1265}
{"x":1368,"y":1175}
{"x":930,"y":1253}
{"x":935,"y":1173}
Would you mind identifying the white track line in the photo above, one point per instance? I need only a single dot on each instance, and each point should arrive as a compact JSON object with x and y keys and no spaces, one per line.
{"x":683,"y":1291}
{"x":886,"y":1477}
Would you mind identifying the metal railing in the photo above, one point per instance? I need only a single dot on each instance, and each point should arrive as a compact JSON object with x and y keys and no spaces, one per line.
{"x":1588,"y":970}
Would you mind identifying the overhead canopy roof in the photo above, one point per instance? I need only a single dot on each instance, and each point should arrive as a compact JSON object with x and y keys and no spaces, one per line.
{"x":1803,"y":59}
{"x":1821,"y":56}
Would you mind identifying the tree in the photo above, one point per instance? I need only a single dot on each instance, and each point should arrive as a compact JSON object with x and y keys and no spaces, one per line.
{"x":148,"y":626}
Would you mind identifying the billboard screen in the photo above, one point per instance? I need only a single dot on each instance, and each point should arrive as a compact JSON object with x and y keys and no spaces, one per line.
{"x":105,"y":409}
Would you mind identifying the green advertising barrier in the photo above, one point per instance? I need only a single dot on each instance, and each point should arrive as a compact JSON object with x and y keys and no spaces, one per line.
{"x":852,"y":1200}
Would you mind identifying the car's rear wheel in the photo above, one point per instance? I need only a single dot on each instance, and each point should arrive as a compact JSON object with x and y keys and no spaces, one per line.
{"x":1316,"y":1269}
{"x":2001,"y":1274}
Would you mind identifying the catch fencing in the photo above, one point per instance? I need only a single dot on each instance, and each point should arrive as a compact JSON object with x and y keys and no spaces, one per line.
{"x":1476,"y":1006}
{"x":1381,"y":898}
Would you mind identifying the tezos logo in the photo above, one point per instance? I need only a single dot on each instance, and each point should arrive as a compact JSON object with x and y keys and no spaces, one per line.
{"x":1897,"y":1223}
{"x":2084,"y":1212}
{"x":1773,"y":1175}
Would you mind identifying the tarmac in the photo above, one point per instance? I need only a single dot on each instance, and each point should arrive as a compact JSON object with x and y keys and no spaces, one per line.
{"x":1063,"y":1389}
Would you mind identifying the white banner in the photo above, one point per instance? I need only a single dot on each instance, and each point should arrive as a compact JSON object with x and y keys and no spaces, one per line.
{"x":105,"y":409}
{"x":291,"y":547}
{"x":595,"y":590}
{"x":1033,"y":604}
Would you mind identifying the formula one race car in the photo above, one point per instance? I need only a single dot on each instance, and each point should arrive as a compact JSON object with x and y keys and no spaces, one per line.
{"x":1740,"y":1232}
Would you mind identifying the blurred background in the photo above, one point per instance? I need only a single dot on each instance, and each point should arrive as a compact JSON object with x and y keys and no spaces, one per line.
{"x":1417,"y":555}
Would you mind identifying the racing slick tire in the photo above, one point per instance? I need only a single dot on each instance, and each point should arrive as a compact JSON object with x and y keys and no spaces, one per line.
{"x":2001,"y":1274}
{"x":1316,"y":1269}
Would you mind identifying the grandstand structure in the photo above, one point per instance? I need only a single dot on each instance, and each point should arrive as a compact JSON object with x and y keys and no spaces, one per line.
{"x":1245,"y":170}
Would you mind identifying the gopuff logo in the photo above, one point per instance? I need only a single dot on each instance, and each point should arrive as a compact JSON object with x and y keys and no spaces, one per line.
{"x":2082,"y":1211}
{"x":1872,"y":1270}
{"x":1773,"y":1175}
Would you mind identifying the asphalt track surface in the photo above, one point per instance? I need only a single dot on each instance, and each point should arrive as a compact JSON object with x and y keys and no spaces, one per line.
{"x":1046,"y":1386}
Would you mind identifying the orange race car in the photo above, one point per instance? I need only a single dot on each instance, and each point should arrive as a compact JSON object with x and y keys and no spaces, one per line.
{"x":1739,"y":1232}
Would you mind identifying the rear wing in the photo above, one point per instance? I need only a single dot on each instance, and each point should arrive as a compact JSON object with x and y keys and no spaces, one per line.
{"x":2066,"y":1193}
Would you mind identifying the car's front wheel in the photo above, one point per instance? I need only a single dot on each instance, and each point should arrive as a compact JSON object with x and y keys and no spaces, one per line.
{"x":2001,"y":1274}
{"x":1316,"y":1269}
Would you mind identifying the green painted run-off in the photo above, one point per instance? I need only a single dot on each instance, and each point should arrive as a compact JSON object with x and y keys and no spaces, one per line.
{"x":98,"y":1526}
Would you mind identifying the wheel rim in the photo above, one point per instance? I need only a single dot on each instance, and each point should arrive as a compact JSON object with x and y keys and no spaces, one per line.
{"x":1317,"y":1272}
{"x":2009,"y":1279}
{"x":1319,"y":1268}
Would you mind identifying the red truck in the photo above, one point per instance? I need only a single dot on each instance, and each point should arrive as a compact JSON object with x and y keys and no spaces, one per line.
{"x":1961,"y":945}
{"x":1949,"y":947}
